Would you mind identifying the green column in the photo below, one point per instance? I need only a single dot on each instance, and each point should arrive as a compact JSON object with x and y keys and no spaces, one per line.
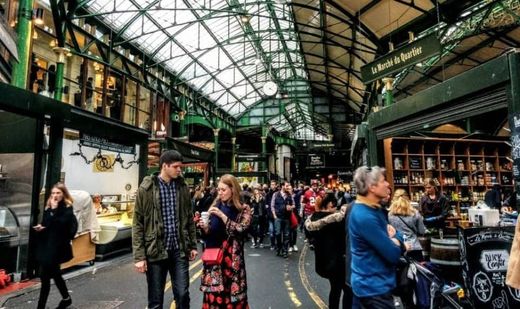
{"x":54,"y":156}
{"x":24,"y":30}
{"x":233,"y":154}
{"x":389,"y":87}
{"x":264,"y":152}
{"x":216,"y":148}
{"x":61,"y":54}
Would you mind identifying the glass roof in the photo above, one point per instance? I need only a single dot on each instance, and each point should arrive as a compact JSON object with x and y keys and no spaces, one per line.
{"x":227,"y":50}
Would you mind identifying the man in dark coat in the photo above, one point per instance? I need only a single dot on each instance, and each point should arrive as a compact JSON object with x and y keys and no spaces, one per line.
{"x":163,"y":232}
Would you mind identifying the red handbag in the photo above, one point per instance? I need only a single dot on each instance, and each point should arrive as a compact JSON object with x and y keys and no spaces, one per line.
{"x":293,"y":220}
{"x":214,"y":256}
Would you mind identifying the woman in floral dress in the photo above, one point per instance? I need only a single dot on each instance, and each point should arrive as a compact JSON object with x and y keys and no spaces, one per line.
{"x":225,"y":285}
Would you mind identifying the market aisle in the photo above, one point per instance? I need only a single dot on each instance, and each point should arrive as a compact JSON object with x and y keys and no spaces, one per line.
{"x":274,"y":282}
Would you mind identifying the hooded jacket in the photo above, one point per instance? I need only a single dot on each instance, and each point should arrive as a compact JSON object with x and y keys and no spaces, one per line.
{"x":328,"y":230}
{"x":148,"y":225}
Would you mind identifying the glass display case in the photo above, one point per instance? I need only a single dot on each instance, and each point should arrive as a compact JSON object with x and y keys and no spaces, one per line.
{"x":9,"y":238}
{"x":116,"y":225}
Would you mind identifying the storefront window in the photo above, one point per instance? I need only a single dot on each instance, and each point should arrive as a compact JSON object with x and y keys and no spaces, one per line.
{"x":96,"y":71}
{"x":162,"y":117}
{"x":130,"y":102}
{"x":73,"y":81}
{"x":144,"y":108}
{"x":16,"y":189}
{"x":114,"y":95}
{"x":102,"y":180}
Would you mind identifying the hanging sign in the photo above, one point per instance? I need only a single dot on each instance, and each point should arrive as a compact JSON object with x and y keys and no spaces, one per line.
{"x":484,"y":254}
{"x":315,"y":160}
{"x":104,"y":144}
{"x":104,"y":164}
{"x":401,"y":58}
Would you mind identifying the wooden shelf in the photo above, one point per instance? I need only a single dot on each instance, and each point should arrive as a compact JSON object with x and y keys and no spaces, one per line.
{"x":449,"y":151}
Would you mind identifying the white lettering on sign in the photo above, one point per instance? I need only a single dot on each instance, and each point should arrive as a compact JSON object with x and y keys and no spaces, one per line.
{"x":490,"y":236}
{"x":501,"y":302}
{"x":494,"y":260}
{"x":482,"y":287}
{"x":397,"y":59}
{"x":515,"y":293}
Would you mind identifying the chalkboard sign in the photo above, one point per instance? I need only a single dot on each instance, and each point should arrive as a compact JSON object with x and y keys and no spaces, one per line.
{"x":484,"y":254}
{"x":514,"y":123}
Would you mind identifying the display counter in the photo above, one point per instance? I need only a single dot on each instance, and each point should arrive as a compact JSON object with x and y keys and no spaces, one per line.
{"x":116,"y":230}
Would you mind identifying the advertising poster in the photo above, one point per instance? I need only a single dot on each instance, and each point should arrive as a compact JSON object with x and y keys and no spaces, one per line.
{"x":484,"y":254}
{"x":248,"y":167}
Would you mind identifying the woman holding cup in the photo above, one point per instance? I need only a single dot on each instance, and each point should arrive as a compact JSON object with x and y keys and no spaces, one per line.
{"x":225,"y":285}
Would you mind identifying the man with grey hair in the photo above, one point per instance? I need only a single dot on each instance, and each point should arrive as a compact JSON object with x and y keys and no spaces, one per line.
{"x":375,"y":249}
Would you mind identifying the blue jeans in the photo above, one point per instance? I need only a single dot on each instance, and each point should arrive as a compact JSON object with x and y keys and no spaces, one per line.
{"x":281,"y":227}
{"x":272,"y":232}
{"x":156,"y":278}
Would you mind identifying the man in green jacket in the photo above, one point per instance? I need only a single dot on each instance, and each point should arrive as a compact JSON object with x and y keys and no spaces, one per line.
{"x":163,"y":232}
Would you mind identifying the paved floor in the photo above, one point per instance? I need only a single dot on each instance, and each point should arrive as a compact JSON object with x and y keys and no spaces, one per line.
{"x":273,"y":282}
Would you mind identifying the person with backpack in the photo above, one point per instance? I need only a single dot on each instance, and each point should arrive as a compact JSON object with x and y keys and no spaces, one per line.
{"x":55,"y":233}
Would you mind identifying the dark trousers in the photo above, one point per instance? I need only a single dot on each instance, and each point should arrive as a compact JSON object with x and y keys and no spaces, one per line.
{"x":156,"y":278}
{"x":337,"y":285}
{"x":281,"y":227}
{"x":293,"y":235}
{"x":385,"y":301}
{"x":49,"y":272}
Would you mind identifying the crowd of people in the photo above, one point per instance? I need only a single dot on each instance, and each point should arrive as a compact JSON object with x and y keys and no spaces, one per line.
{"x":358,"y":242}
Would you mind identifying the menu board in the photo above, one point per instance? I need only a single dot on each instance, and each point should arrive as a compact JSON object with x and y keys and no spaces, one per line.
{"x":484,"y":254}
{"x":514,"y":123}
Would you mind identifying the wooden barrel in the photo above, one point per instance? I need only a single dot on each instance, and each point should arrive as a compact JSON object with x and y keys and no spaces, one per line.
{"x":445,"y":251}
{"x":425,"y":244}
{"x":446,"y":255}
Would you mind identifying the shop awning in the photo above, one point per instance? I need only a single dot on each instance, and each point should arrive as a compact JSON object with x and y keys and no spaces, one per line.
{"x":191,"y":153}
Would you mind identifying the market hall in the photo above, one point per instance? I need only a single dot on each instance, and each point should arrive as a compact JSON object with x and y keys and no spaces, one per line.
{"x":92,"y":93}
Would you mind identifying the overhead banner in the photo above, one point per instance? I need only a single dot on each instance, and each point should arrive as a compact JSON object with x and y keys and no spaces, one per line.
{"x":401,"y":58}
{"x":103,"y":143}
{"x":250,"y":158}
{"x":315,"y":160}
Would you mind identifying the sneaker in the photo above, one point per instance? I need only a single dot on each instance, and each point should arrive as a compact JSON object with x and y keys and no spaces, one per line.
{"x":253,"y":245}
{"x":305,"y":240}
{"x":290,"y":249}
{"x":261,"y":245}
{"x":272,"y":248}
{"x":285,"y":255}
{"x":295,"y":249}
{"x":311,"y":247}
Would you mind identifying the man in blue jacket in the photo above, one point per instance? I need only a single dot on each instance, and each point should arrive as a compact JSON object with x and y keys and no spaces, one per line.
{"x":375,"y":249}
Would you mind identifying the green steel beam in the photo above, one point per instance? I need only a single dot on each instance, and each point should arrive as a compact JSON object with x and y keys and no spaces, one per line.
{"x":465,"y":54}
{"x":489,"y":74}
{"x":140,"y":13}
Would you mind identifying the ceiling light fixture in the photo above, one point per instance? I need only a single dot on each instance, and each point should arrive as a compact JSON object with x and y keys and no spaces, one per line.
{"x":245,"y":18}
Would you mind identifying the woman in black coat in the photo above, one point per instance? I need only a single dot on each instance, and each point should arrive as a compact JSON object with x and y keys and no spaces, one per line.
{"x":327,"y":226}
{"x":55,"y":233}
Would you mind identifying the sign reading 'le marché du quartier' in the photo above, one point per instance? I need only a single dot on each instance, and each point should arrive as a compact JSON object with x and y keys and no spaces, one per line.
{"x":401,"y":58}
